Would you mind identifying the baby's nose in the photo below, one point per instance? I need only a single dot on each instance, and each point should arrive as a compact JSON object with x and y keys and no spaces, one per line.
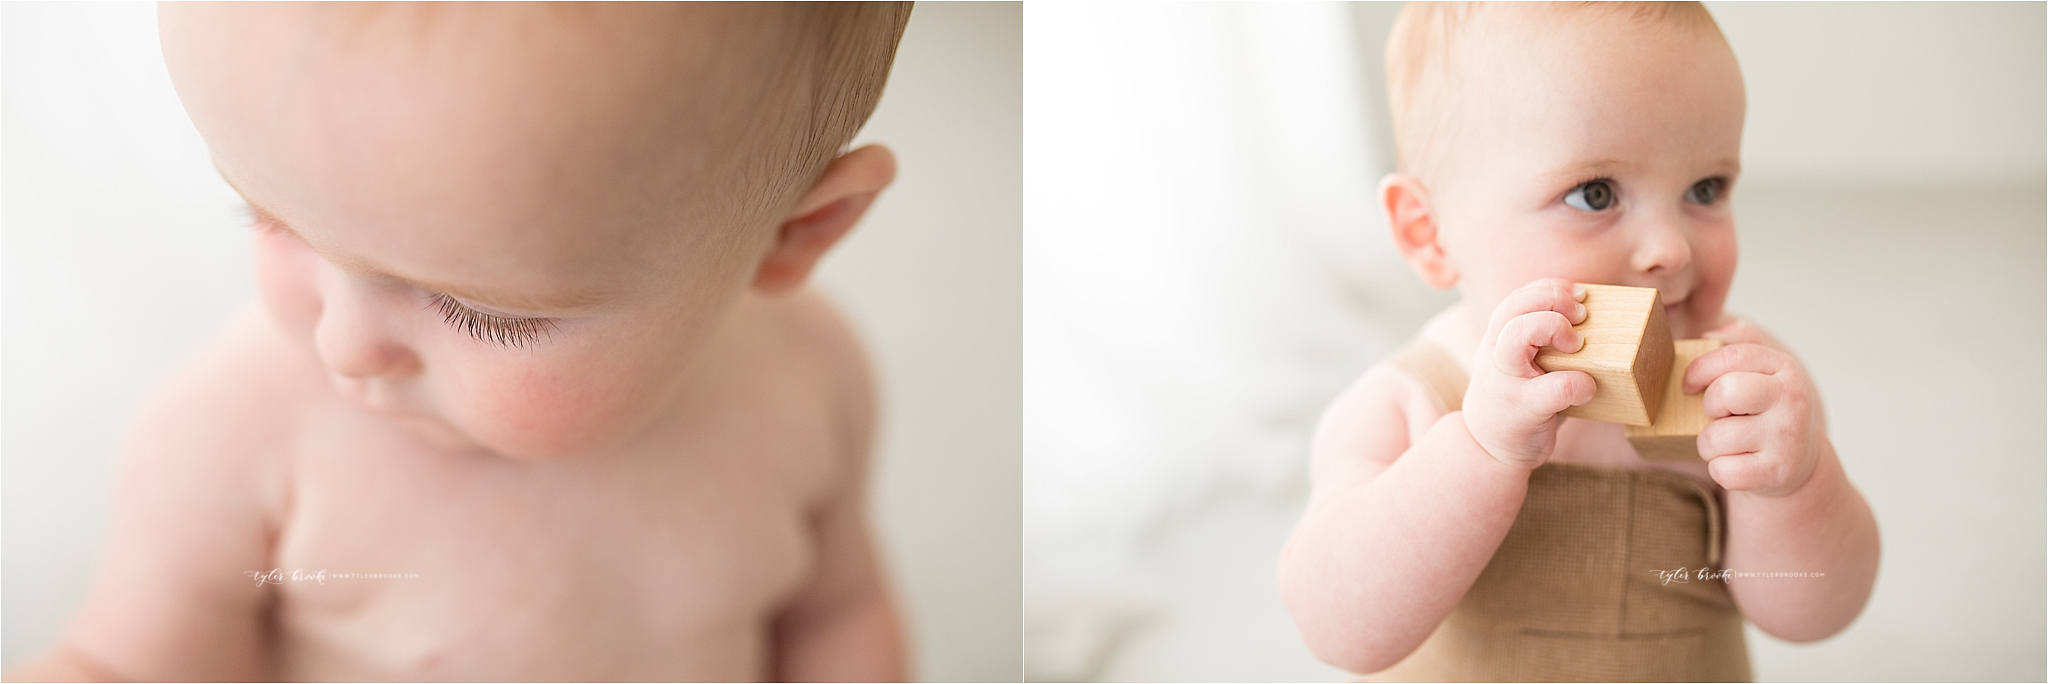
{"x":1662,"y":248}
{"x":354,"y":338}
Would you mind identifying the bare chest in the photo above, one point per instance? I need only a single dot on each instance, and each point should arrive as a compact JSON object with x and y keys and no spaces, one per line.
{"x":666,"y":565}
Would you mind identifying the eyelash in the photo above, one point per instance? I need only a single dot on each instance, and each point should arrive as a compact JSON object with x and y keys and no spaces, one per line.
{"x":1719,"y":183}
{"x":504,"y":330}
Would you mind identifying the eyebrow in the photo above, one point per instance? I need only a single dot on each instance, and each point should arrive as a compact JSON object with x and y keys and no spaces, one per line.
{"x":349,"y":262}
{"x":1578,"y":171}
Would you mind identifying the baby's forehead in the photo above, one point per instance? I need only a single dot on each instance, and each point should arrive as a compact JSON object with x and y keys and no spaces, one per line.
{"x":600,"y":25}
{"x":520,"y":96}
{"x":558,"y":77}
{"x":1488,"y":31}
{"x":650,"y":56}
{"x":458,"y":133}
{"x":1452,"y":66}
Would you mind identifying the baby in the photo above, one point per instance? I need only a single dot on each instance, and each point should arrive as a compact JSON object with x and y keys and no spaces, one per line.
{"x":1458,"y":528}
{"x":536,"y":391}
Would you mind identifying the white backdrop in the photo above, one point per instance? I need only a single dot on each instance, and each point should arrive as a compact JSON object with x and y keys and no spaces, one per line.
{"x":1205,"y":269}
{"x":123,"y":252}
{"x":1198,"y":284}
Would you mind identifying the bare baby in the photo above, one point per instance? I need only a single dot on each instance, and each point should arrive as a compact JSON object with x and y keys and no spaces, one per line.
{"x":534,"y":354}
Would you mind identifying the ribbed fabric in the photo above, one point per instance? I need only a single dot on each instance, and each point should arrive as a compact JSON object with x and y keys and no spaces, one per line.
{"x":1574,"y":592}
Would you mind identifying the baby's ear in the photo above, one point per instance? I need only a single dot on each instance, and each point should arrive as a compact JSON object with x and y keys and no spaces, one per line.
{"x":1413,"y":223}
{"x":826,"y":212}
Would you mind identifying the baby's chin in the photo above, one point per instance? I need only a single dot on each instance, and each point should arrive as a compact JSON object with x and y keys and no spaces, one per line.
{"x":546,"y":436}
{"x":517,"y":444}
{"x":435,"y":433}
{"x":1689,"y":320}
{"x":540,"y":427}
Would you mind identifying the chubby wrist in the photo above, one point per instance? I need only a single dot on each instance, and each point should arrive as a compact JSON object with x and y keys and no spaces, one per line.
{"x":1460,"y":433}
{"x":1500,"y":454}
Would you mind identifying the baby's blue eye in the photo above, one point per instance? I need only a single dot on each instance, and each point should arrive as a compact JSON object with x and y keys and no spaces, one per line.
{"x":1704,"y":192}
{"x":1595,"y":195}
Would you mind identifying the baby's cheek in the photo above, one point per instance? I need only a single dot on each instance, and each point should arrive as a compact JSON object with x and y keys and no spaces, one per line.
{"x":540,"y":411}
{"x":1715,"y":254}
{"x":1718,"y":254}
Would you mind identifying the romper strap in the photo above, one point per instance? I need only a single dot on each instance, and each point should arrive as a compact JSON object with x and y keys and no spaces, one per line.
{"x":1713,"y":519}
{"x":1437,"y":370}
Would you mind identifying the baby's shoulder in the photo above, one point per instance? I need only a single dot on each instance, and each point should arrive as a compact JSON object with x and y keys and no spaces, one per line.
{"x":1374,"y":419}
{"x":219,"y":422}
{"x":804,"y":338}
{"x":800,"y":365}
{"x":237,"y":389}
{"x":1393,"y":399}
{"x":809,"y":325}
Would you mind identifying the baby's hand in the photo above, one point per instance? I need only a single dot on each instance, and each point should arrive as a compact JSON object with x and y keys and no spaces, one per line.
{"x":1511,"y":407}
{"x":1761,"y":436}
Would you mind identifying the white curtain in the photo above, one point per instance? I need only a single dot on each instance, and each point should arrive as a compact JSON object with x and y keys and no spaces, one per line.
{"x":1205,"y":268}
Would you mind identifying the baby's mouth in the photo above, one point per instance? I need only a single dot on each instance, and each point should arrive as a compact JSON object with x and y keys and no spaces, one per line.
{"x":1677,"y":313}
{"x":422,"y":422}
{"x":372,"y":396}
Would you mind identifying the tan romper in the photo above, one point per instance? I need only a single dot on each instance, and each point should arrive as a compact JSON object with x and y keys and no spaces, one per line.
{"x":1573,"y":593}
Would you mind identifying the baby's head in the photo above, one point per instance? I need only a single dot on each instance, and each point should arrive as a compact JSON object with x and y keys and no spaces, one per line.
{"x":519,"y":223}
{"x":1596,"y":142}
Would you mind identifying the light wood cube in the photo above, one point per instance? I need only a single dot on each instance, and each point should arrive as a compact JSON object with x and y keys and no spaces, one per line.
{"x":1627,"y":351}
{"x":1675,"y":434}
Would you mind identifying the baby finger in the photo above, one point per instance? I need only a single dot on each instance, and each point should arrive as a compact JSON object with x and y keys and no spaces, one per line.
{"x":1746,"y":472}
{"x":1557,"y":391}
{"x":1740,"y":394}
{"x":1731,"y":436}
{"x":1515,"y":353}
{"x":1548,"y":294}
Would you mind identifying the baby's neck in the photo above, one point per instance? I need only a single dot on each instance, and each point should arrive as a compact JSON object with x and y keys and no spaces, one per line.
{"x":1454,"y":331}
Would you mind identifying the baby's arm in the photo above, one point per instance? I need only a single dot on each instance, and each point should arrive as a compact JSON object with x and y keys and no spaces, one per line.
{"x":172,"y":600}
{"x":1791,"y":507}
{"x":1396,"y":532}
{"x":843,"y":625}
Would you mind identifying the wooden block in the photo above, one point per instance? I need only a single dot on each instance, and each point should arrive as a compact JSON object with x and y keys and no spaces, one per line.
{"x":1675,"y":434}
{"x":1627,"y":351}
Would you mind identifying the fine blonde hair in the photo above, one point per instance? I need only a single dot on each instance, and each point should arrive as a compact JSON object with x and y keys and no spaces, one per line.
{"x":1423,"y":62}
{"x":847,"y":48}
